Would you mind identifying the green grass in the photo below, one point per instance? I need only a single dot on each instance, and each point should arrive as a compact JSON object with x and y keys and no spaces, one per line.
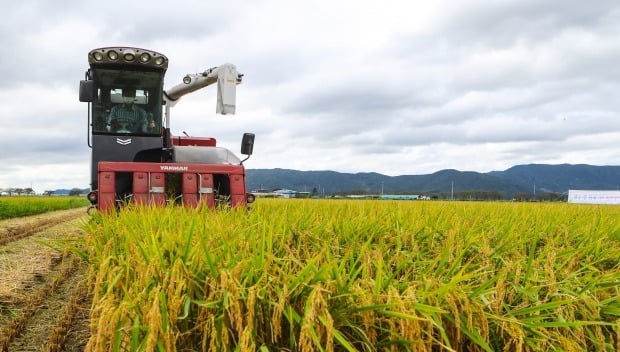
{"x":11,"y":207}
{"x":315,"y":275}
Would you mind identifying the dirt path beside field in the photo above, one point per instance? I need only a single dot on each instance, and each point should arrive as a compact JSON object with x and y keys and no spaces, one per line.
{"x":44,"y":303}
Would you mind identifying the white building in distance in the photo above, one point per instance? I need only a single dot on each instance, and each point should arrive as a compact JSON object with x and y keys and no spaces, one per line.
{"x":593,"y":197}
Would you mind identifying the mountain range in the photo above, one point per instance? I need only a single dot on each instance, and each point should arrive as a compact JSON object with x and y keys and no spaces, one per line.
{"x":532,"y":178}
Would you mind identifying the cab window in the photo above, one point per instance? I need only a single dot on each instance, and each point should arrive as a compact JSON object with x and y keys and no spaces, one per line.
{"x":127,"y":102}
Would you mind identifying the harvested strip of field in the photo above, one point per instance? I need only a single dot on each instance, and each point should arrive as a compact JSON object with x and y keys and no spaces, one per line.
{"x":37,"y":283}
{"x":78,"y":332}
{"x":50,"y":319}
{"x":17,"y":333}
{"x":11,"y":207}
{"x":63,"y":334}
{"x":15,"y":229}
{"x":357,"y":276}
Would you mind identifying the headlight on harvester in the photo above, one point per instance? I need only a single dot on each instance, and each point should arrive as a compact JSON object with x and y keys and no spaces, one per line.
{"x":129,"y":57}
{"x":112,"y":55}
{"x":145,"y":57}
{"x":159,"y":60}
{"x":92,"y":197}
{"x":250,"y":198}
{"x":98,"y":56}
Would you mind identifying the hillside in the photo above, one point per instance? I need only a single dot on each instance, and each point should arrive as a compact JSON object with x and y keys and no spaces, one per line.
{"x":560,"y":178}
{"x":520,"y":178}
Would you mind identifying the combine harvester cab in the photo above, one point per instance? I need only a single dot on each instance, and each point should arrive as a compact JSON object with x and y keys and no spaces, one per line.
{"x":135,"y":158}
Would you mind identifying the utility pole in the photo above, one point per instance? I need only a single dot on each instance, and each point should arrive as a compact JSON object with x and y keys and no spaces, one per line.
{"x":381,"y":187}
{"x":452,"y":191}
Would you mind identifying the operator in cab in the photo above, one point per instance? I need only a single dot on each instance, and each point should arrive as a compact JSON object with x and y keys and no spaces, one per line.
{"x":129,"y":117}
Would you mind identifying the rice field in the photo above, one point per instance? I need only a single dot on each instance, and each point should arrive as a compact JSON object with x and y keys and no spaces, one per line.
{"x":312,"y":275}
{"x":11,"y":207}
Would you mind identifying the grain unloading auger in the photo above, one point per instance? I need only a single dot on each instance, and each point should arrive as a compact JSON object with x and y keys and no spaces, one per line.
{"x":135,"y":158}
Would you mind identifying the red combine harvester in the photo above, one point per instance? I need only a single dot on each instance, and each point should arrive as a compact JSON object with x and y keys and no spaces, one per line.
{"x":135,"y":158}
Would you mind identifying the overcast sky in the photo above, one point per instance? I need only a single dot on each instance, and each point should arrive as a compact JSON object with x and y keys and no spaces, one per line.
{"x":395,"y":87}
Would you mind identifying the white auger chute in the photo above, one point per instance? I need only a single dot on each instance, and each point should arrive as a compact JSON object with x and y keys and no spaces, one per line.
{"x":226,"y":77}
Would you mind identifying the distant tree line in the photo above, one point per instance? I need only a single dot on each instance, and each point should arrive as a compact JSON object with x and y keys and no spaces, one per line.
{"x":541,"y":197}
{"x":17,"y":191}
{"x":466,"y":195}
{"x":460,"y":195}
{"x":470,"y":195}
